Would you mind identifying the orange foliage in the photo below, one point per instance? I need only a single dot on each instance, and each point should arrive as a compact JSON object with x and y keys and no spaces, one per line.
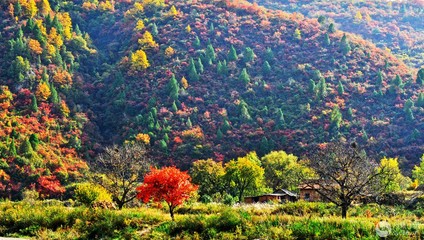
{"x":43,"y":91}
{"x":35,"y":46}
{"x":55,"y":38}
{"x":184,"y":83}
{"x":142,"y":137}
{"x":194,"y":133}
{"x":62,"y":77}
{"x":169,"y":51}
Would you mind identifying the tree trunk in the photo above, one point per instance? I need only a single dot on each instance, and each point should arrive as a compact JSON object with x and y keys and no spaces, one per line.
{"x":344,"y":210}
{"x":120,"y":205}
{"x":171,"y":211}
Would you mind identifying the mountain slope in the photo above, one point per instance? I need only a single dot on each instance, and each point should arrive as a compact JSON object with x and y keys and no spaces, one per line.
{"x":302,"y":86}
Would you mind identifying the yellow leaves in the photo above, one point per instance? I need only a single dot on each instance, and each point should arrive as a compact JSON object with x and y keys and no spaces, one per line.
{"x":29,"y":7}
{"x":358,"y":16}
{"x":64,"y":109}
{"x":138,"y":7}
{"x":43,"y":91}
{"x":169,"y":51}
{"x":188,"y":29}
{"x":184,"y":83}
{"x":89,"y":6}
{"x":147,"y":40}
{"x":173,"y":12}
{"x":62,"y":77}
{"x":139,"y":60}
{"x":66,"y":21}
{"x":51,"y":50}
{"x":140,"y":25}
{"x":41,"y":26}
{"x":142,"y":137}
{"x":45,"y":8}
{"x":106,"y":6}
{"x":35,"y":46}
{"x":55,"y":38}
{"x":5,"y":97}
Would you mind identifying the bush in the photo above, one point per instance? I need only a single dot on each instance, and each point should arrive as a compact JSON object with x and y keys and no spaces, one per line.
{"x":206,"y":199}
{"x":89,"y":193}
{"x":229,"y":200}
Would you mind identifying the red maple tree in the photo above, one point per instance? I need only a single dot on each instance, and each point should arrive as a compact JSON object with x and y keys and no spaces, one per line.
{"x":168,"y":184}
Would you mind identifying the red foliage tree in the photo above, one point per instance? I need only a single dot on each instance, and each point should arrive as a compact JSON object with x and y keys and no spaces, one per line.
{"x":168,"y":184}
{"x":49,"y":186}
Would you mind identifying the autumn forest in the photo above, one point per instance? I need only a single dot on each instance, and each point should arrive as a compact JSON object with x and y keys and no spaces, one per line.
{"x":101,"y":101}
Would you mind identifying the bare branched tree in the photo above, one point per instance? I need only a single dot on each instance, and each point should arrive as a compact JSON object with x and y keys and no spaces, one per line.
{"x":123,"y":168}
{"x":346,"y":174}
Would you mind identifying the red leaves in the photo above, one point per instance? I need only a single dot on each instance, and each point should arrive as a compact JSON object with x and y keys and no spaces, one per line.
{"x":49,"y":185}
{"x":167,"y":184}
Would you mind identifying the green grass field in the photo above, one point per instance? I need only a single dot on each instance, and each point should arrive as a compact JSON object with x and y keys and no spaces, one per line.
{"x":300,"y":220}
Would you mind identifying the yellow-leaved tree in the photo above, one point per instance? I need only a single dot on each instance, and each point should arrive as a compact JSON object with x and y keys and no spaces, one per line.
{"x":139,"y":60}
{"x":147,"y":40}
{"x":43,"y":91}
{"x":66,"y":21}
{"x":140,"y":25}
{"x":35,"y":46}
{"x":169,"y":51}
{"x":45,"y":8}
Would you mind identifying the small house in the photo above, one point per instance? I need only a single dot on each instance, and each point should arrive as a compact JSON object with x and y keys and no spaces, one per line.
{"x":308,"y":192}
{"x":282,"y":195}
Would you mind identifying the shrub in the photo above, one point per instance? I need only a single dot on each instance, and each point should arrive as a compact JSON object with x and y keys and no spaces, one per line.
{"x":229,"y":200}
{"x":89,"y":193}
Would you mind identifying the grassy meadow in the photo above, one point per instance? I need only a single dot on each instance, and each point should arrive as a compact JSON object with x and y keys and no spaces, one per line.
{"x":300,"y":220}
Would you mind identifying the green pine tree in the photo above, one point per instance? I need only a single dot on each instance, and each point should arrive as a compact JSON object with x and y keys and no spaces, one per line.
{"x":327,"y":40}
{"x":210,"y":53}
{"x":420,"y":77}
{"x":331,"y":28}
{"x":33,"y":139}
{"x":196,"y":42}
{"x":248,"y":55}
{"x":345,"y":45}
{"x":34,"y":105}
{"x":154,"y":31}
{"x":340,"y":88}
{"x":193,"y":76}
{"x":244,"y":76}
{"x":200,"y":68}
{"x":12,"y":148}
{"x":266,"y":68}
{"x":26,"y":149}
{"x":420,"y":100}
{"x":173,"y":88}
{"x":232,"y":54}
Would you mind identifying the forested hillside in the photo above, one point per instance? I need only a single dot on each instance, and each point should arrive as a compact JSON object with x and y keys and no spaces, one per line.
{"x":220,"y":83}
{"x":193,"y":80}
{"x":395,"y":26}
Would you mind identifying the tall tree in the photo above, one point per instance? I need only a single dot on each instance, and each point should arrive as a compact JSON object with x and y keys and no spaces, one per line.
{"x":345,"y":174}
{"x":245,"y":174}
{"x":418,"y":171}
{"x":420,"y":76}
{"x":209,"y":175}
{"x":232,"y":54}
{"x":284,"y":170}
{"x":122,"y":168}
{"x":345,"y":45}
{"x":168,"y":184}
{"x":173,"y":88}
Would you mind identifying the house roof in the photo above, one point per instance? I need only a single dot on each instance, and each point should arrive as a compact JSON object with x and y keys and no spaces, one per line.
{"x":278,"y":193}
{"x":308,"y":186}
